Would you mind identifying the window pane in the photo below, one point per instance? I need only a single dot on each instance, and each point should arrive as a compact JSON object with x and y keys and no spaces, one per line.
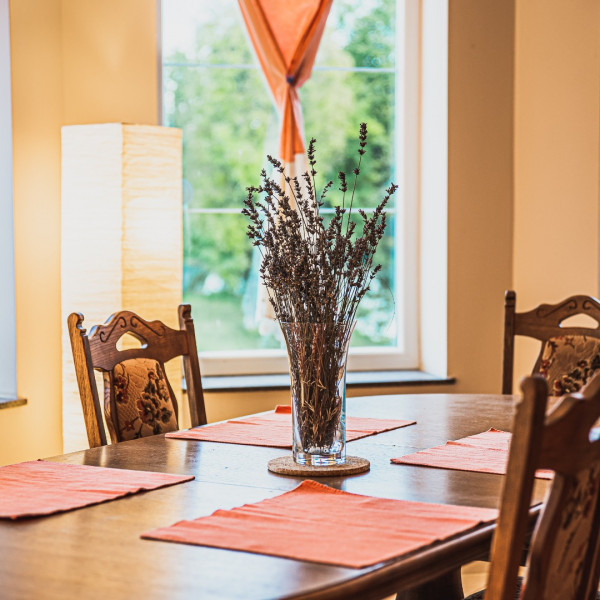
{"x":359,"y":33}
{"x":228,"y":120}
{"x":359,"y":97}
{"x":215,"y":92}
{"x":376,"y":316}
{"x":206,"y":32}
{"x":221,"y":277}
{"x":220,"y":283}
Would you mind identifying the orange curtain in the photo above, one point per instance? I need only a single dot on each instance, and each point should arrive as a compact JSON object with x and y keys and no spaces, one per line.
{"x":286,"y":36}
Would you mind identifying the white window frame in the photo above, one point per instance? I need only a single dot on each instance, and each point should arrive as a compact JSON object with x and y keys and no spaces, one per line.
{"x":406,"y":354}
{"x":8,"y":366}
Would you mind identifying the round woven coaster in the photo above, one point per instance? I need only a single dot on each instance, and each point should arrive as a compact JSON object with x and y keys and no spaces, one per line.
{"x":285,"y":465}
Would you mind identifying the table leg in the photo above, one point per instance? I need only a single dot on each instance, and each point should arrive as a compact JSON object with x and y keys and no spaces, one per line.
{"x":448,"y":586}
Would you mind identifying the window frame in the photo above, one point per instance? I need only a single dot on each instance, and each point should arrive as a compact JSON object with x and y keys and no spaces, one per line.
{"x":405,"y":355}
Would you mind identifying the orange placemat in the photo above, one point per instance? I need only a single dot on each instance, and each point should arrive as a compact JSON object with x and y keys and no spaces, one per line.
{"x":40,"y":487}
{"x":485,"y":452}
{"x":317,"y":523}
{"x":274,"y":429}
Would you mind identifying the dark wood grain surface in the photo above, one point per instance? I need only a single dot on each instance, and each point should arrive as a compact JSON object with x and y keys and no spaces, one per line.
{"x":96,"y":552}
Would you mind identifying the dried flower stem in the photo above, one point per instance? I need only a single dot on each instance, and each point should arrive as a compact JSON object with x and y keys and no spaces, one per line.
{"x":315,"y":276}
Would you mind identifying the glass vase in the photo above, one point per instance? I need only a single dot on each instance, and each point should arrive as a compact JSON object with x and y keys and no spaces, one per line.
{"x":317,"y":354}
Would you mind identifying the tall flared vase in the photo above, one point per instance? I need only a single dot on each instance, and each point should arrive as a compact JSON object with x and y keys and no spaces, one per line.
{"x":317,"y":354}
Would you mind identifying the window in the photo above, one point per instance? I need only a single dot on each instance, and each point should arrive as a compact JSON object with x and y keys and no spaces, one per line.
{"x":8,"y":369}
{"x":213,"y":89}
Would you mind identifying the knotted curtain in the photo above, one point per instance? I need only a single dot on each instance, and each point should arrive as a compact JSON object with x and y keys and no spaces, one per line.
{"x":286,"y":36}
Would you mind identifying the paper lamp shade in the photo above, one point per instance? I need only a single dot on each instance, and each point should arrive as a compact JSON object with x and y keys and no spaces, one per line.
{"x":122,"y":242}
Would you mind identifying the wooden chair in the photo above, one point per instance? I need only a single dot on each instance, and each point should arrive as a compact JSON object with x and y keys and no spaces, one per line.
{"x":564,"y":557}
{"x":568,"y":355}
{"x":138,"y":398}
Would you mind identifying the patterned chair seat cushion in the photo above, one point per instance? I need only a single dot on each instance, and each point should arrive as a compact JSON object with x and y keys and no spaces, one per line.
{"x":568,"y":362}
{"x":143,"y":400}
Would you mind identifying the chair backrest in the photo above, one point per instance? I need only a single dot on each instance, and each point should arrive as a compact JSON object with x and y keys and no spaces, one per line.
{"x":568,"y":356}
{"x":564,"y":556}
{"x":138,"y":398}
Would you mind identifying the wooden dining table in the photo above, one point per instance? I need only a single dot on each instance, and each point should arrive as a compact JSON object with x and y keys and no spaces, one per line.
{"x":97,"y":552}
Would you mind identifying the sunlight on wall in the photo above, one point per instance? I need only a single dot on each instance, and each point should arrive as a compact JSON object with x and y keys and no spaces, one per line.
{"x":63,"y":72}
{"x":557,"y":156}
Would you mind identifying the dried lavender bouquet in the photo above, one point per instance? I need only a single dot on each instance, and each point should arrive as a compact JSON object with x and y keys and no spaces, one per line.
{"x":315,"y":276}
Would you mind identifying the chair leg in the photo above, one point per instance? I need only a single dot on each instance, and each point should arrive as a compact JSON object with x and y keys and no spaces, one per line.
{"x":447,"y":586}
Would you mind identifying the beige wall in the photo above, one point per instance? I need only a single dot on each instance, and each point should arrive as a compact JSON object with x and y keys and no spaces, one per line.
{"x":34,"y":430}
{"x":480,"y":186}
{"x":82,"y":61}
{"x":109,"y":58}
{"x":557,"y":141}
{"x":73,"y":61}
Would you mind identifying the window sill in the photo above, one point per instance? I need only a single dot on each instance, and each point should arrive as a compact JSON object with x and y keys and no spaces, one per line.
{"x":354,"y":379}
{"x":10,"y":402}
